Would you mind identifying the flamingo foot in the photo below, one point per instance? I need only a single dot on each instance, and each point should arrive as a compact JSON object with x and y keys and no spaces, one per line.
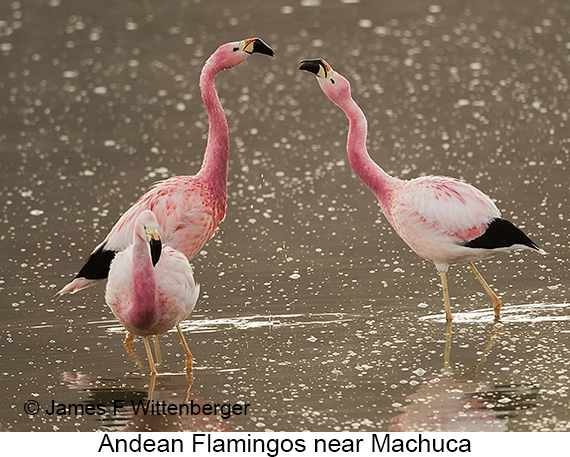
{"x":189,"y":356}
{"x":496,"y":300}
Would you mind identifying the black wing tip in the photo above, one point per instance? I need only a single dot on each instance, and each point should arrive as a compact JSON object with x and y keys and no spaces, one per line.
{"x":97,"y":265}
{"x":502,"y":234}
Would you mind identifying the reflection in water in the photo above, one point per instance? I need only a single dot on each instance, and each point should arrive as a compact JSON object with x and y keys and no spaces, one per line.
{"x":453,"y":403}
{"x":132,"y":408}
{"x":135,"y":408}
{"x":527,"y":312}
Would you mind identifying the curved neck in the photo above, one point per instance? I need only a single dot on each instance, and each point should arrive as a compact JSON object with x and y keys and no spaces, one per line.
{"x":370,"y":173}
{"x":215,"y":164}
{"x":144,"y":312}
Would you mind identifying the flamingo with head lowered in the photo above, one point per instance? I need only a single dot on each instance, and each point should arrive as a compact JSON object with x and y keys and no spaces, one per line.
{"x":188,"y":208}
{"x":151,"y":287}
{"x":442,"y":219}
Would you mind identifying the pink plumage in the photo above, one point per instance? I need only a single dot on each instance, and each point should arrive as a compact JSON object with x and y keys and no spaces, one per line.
{"x":150,"y":299}
{"x":435,"y":214}
{"x":189,"y":209}
{"x":149,"y":290}
{"x":442,"y":219}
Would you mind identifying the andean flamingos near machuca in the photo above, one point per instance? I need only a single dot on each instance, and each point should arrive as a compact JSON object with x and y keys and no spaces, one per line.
{"x":442,"y":219}
{"x":151,"y":287}
{"x":188,"y":208}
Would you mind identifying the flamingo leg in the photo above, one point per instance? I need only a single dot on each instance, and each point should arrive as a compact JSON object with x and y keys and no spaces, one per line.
{"x":445,"y":295}
{"x":149,"y":355}
{"x":496,"y":300}
{"x":189,"y":382}
{"x":189,"y":357}
{"x":157,"y":349}
{"x":128,"y":343}
{"x":151,"y":386}
{"x":447,"y":350}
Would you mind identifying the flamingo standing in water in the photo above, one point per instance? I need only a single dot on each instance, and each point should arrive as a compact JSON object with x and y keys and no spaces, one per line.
{"x":442,"y":219}
{"x":188,"y":208}
{"x":151,"y":287}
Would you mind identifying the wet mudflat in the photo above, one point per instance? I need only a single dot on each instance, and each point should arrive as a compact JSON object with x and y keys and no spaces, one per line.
{"x":312,"y":310}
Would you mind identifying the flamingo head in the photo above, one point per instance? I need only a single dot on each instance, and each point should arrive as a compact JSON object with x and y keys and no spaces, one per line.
{"x":149,"y":229}
{"x":252,"y":45}
{"x":334,"y":85}
{"x":234,"y":53}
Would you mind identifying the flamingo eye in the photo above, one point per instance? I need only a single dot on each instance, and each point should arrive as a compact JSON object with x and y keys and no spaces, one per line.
{"x":332,"y":81}
{"x":236,"y":49}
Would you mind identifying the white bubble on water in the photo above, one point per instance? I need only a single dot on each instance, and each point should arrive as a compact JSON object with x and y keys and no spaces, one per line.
{"x":100,"y":90}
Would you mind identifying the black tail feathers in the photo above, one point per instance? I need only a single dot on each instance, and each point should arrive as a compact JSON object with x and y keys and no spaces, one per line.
{"x":501,"y":234}
{"x":97,"y":265}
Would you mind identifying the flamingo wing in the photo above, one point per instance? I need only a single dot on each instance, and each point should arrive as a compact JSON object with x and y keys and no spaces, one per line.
{"x":188,"y":214}
{"x":186,"y":211}
{"x":448,"y":206}
{"x":447,"y":221}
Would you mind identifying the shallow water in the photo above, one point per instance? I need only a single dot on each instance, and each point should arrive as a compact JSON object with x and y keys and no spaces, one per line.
{"x":312,"y":310}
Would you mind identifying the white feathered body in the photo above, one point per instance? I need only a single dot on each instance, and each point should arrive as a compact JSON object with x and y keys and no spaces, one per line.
{"x":176,"y":290}
{"x":437,"y":215}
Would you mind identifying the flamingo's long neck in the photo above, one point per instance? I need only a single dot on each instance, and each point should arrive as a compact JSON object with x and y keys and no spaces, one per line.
{"x":215,"y":165}
{"x":371,"y":174}
{"x":145,"y":310}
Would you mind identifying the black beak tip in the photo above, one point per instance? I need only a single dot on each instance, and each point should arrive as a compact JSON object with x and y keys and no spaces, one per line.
{"x":155,"y":250}
{"x":262,"y":47}
{"x":310,"y":65}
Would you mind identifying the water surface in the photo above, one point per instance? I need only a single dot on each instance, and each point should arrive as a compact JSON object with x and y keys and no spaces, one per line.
{"x":312,"y":309}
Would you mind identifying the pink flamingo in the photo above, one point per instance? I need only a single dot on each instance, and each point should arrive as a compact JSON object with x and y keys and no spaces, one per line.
{"x":151,"y":287}
{"x":442,"y":219}
{"x":188,"y":208}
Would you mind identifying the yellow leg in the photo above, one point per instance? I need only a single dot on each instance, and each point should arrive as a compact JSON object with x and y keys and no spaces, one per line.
{"x":445,"y":295}
{"x":189,"y":382}
{"x":189,"y":357}
{"x":447,"y":351}
{"x":149,"y":355}
{"x":496,"y":300}
{"x":157,"y":349}
{"x":151,"y":386}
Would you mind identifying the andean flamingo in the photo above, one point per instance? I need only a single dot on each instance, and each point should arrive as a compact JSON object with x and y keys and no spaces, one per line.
{"x":188,"y":208}
{"x":442,"y":219}
{"x":151,"y":287}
